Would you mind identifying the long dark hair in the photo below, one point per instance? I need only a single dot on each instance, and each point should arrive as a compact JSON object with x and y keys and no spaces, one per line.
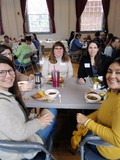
{"x":3,"y":47}
{"x":98,"y":55}
{"x":35,"y":37}
{"x":14,"y":89}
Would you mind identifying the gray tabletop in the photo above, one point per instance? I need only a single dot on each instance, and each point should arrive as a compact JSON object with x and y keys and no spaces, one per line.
{"x":72,"y":96}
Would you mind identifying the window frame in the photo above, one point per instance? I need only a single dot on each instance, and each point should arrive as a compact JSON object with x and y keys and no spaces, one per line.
{"x":28,"y":26}
{"x":93,"y":31}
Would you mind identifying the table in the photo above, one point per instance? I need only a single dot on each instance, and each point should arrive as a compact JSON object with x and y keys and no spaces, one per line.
{"x":72,"y":96}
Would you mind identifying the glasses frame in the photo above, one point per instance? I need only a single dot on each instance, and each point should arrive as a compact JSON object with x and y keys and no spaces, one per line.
{"x":3,"y":73}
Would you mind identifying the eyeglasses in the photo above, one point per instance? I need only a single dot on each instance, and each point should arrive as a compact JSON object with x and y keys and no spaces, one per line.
{"x":58,"y":48}
{"x":3,"y":73}
{"x":6,"y":54}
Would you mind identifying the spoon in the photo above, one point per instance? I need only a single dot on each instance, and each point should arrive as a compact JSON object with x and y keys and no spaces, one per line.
{"x":59,"y":96}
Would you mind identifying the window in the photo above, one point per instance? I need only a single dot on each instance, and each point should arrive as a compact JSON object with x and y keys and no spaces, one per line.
{"x":37,"y":16}
{"x":92,"y":16}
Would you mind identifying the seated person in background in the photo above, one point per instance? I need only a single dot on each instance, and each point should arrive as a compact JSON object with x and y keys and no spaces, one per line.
{"x":111,"y":47}
{"x":35,"y":40}
{"x":30,"y":43}
{"x":21,"y":51}
{"x":15,"y":123}
{"x":105,"y":122}
{"x":7,"y":51}
{"x":103,"y":36}
{"x":88,"y":38}
{"x":93,"y":64}
{"x":116,"y":53}
{"x":100,"y":41}
{"x":7,"y":41}
{"x":108,"y":39}
{"x":76,"y":45}
{"x":58,"y":60}
{"x":72,"y":34}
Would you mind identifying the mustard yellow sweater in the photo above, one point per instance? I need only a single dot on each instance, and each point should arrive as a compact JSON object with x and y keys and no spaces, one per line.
{"x":105,"y":123}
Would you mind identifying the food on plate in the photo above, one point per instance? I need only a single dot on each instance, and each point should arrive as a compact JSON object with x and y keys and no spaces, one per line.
{"x":51,"y":93}
{"x":101,"y":93}
{"x":47,"y":95}
{"x":61,"y":80}
{"x":91,"y":92}
{"x":26,"y":85}
{"x":39,"y":94}
{"x":91,"y":97}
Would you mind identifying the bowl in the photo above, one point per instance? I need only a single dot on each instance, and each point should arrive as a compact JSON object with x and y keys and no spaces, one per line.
{"x":26,"y":85}
{"x":51,"y":93}
{"x":92,"y":97}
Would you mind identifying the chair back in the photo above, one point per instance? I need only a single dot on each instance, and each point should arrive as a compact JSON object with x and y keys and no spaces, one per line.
{"x":87,"y":153}
{"x":27,"y":56}
{"x":24,"y":148}
{"x":24,"y":66}
{"x":41,"y":51}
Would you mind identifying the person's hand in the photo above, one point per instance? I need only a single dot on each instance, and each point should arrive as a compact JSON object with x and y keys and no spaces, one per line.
{"x":78,"y":125}
{"x":31,"y":77}
{"x":45,"y":120}
{"x":47,"y":111}
{"x":81,"y":81}
{"x":81,"y":119}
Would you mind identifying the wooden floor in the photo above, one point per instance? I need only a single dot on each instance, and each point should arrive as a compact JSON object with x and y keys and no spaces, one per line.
{"x":65,"y":154}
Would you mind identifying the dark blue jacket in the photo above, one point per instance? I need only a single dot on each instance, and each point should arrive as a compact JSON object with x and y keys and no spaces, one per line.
{"x":75,"y":45}
{"x":85,"y":67}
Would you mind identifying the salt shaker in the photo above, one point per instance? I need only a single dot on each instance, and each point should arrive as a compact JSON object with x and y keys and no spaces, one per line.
{"x":38,"y":80}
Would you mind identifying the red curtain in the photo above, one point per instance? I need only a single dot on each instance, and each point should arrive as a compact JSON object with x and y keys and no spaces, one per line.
{"x":23,"y":8}
{"x":50,"y":4}
{"x":80,"y":5}
{"x":1,"y":26}
{"x":106,"y":6}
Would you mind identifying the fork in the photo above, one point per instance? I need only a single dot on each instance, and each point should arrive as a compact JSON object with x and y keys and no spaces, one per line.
{"x":59,"y":96}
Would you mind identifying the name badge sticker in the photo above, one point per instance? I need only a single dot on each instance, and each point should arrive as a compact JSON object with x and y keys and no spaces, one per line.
{"x":87,"y":65}
{"x":62,"y":64}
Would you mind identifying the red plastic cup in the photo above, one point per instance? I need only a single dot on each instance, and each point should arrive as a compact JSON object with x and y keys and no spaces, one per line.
{"x":55,"y":78}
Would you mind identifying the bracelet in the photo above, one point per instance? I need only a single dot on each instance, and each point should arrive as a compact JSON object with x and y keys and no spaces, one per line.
{"x":86,"y":122}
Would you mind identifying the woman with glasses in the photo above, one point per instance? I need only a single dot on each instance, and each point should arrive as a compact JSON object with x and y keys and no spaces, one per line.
{"x":15,"y":123}
{"x":58,"y":60}
{"x":7,"y":51}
